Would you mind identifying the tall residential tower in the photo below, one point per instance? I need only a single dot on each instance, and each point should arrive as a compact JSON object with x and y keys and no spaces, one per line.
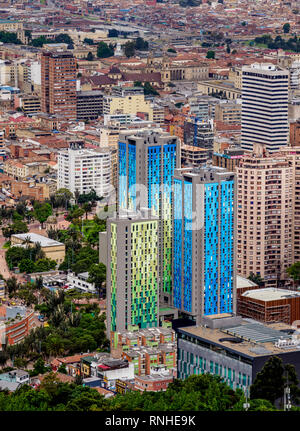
{"x":58,"y":71}
{"x":132,"y":281}
{"x":147,"y":161}
{"x":204,"y":273}
{"x":264,"y":106}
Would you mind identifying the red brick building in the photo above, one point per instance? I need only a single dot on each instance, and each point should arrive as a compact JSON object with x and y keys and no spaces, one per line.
{"x":18,"y":329}
{"x":269,"y":305}
{"x":58,"y":70}
{"x":153,"y":383}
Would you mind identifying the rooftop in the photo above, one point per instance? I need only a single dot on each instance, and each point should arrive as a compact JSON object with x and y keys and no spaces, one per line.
{"x":251,"y":338}
{"x":34,"y":238}
{"x":271,"y":294}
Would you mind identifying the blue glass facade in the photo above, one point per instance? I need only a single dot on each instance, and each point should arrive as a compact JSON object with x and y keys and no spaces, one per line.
{"x":131,"y":177}
{"x":122,"y":175}
{"x":211,"y":243}
{"x":203,"y":260}
{"x":177,"y":238}
{"x":227,"y":246}
{"x":169,"y":164}
{"x":154,"y":178}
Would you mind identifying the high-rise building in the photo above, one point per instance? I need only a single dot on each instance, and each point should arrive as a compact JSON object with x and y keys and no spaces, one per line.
{"x":292,"y":154}
{"x":204,"y":216}
{"x":147,"y":161}
{"x":84,"y":169}
{"x":264,"y":106}
{"x":265,"y":216}
{"x":132,"y":280}
{"x":199,"y":133}
{"x":58,"y":82}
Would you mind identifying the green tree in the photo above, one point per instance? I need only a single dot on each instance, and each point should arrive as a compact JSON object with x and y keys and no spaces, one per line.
{"x":256,"y":278}
{"x":294,"y":271}
{"x":210,"y":54}
{"x":141,"y":44}
{"x":113,"y":32}
{"x":286,"y":27}
{"x":12,"y":285}
{"x":129,"y":49}
{"x":90,"y":56}
{"x":39,"y":367}
{"x":88,"y":41}
{"x":148,"y":89}
{"x":62,"y":369}
{"x":42,"y":211}
{"x":44,"y":265}
{"x":270,"y":381}
{"x":27,"y":265}
{"x":104,"y":51}
{"x":97,"y":275}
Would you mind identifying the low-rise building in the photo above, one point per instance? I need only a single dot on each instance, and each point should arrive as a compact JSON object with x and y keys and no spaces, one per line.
{"x":236,"y":353}
{"x":269,"y":305}
{"x":15,"y":324}
{"x":54,"y":250}
{"x":193,"y":156}
{"x":13,"y":380}
{"x":89,"y":105}
{"x":154,"y":382}
{"x":80,"y":282}
{"x":229,"y":158}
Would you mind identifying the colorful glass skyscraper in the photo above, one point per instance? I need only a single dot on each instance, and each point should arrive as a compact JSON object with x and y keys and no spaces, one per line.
{"x":204,"y":218}
{"x":132,"y":285}
{"x":147,"y":161}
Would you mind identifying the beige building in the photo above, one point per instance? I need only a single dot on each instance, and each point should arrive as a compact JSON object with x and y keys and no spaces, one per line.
{"x":235,"y":75}
{"x":53,"y":250}
{"x":265,"y":216}
{"x":293,"y":155}
{"x":193,"y":156}
{"x":127,"y":100}
{"x":223,"y":88}
{"x":178,"y":69}
{"x":10,"y":25}
{"x":19,"y":170}
{"x":228,"y":112}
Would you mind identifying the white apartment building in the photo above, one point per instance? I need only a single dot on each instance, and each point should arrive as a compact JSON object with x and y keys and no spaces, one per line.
{"x":84,"y":169}
{"x":265,"y":89}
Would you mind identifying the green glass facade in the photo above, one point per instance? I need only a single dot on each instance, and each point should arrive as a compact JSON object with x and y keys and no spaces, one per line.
{"x":144,"y":274}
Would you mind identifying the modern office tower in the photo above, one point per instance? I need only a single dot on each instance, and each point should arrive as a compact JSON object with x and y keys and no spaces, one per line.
{"x":265,"y":216}
{"x":204,"y":242}
{"x":84,"y":169}
{"x":147,"y":161}
{"x":264,"y":106}
{"x":228,"y":112}
{"x":58,"y":69}
{"x":199,"y":133}
{"x":132,"y":280}
{"x":89,"y":105}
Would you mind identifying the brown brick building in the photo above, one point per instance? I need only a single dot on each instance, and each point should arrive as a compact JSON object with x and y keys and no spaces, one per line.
{"x":295,"y":133}
{"x":58,"y":69}
{"x":269,"y":305}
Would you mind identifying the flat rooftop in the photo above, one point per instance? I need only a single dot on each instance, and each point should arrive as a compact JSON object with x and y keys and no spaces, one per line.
{"x":251,"y":338}
{"x":34,"y":238}
{"x":242,"y":282}
{"x":271,"y":294}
